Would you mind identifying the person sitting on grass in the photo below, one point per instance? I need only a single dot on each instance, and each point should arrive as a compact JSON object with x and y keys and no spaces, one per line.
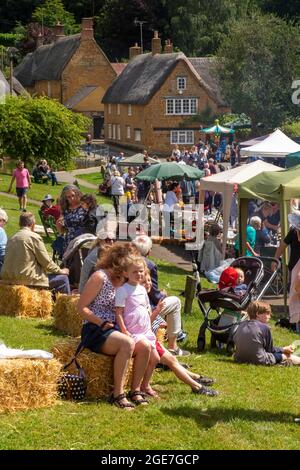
{"x":198,"y":383}
{"x":254,"y":343}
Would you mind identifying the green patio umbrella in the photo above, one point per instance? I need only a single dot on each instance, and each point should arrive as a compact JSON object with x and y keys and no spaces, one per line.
{"x":217,"y":129}
{"x":170,"y":170}
{"x":292,"y":159}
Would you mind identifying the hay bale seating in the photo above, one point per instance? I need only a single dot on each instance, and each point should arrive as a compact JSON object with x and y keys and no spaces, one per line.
{"x":98,"y":367}
{"x":22,"y":301}
{"x":66,"y":317}
{"x":28,"y":383}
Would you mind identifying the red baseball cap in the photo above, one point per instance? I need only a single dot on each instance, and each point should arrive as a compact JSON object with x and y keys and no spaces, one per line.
{"x":228,"y":278}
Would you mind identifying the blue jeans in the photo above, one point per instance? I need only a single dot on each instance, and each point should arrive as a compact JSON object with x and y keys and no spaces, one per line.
{"x":59,"y":283}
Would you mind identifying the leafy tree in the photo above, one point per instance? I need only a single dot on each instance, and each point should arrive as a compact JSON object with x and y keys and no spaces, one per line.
{"x":257,"y":66}
{"x":281,"y":7}
{"x":53,"y":11}
{"x":84,"y":8}
{"x":40,"y":128}
{"x":13,"y":10}
{"x":291,"y":128}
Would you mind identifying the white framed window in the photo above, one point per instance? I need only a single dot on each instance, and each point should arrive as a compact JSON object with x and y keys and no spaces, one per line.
{"x":118,"y":131}
{"x":184,"y":106}
{"x":109,"y":131}
{"x":109,"y":108}
{"x":181,"y":83}
{"x":137,"y":135}
{"x":114,"y":132}
{"x":182,"y":137}
{"x":118,"y":109}
{"x":128,"y":132}
{"x":129,"y":110}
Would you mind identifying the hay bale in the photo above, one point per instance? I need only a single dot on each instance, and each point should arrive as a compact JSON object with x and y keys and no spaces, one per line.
{"x":98,"y":367}
{"x":22,"y":301}
{"x":66,"y":317}
{"x":28,"y":383}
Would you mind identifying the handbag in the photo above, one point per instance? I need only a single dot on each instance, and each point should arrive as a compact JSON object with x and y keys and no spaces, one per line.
{"x":73,"y":386}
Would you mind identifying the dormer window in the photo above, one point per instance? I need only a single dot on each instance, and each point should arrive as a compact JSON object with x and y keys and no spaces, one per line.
{"x":181,"y":83}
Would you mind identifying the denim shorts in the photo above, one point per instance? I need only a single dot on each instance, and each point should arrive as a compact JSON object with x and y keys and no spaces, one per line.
{"x":21,"y":191}
{"x":93,"y":337}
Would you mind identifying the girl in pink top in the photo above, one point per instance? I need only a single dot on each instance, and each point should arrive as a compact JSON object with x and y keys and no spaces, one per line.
{"x":22,"y":177}
{"x":133,"y":317}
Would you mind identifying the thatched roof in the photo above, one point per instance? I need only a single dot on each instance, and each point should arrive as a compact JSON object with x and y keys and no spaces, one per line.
{"x":146,"y":73}
{"x":17,"y":87}
{"x":204,"y":66}
{"x":47,"y":62}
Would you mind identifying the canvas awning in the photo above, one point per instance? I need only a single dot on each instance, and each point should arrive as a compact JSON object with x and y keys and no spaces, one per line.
{"x":137,"y":160}
{"x":292,"y":159}
{"x":225,"y":181}
{"x":276,"y":145}
{"x":281,"y":187}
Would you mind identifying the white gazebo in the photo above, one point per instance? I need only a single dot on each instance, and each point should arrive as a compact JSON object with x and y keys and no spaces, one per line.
{"x":224,"y":183}
{"x":275,"y":145}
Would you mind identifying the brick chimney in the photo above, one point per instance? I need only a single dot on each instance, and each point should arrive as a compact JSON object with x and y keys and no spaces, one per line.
{"x":168,"y":49}
{"x":58,"y":31}
{"x":156,"y":44}
{"x":134,"y":51}
{"x":87,"y":28}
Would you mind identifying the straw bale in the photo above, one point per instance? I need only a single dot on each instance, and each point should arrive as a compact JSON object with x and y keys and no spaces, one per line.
{"x":66,"y":317}
{"x":98,"y":367}
{"x":22,"y":301}
{"x":28,"y":383}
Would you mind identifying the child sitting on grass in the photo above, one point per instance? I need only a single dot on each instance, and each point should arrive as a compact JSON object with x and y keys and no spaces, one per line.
{"x":198,"y":383}
{"x":254,"y":343}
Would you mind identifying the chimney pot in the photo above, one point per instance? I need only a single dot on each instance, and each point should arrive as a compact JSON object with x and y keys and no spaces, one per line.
{"x":156,"y":44}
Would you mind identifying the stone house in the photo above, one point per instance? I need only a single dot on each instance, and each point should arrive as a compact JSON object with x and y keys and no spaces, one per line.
{"x":147,"y":105}
{"x":73,"y":70}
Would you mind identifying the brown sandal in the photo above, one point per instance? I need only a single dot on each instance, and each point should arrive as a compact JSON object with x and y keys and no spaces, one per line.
{"x":138,"y":398}
{"x":117,"y":401}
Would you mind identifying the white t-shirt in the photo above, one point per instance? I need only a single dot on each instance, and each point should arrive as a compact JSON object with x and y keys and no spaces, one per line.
{"x":170,"y":201}
{"x":117,"y":186}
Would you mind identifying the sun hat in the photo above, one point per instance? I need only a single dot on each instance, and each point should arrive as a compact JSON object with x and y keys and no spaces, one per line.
{"x":294,"y":220}
{"x":48,"y":197}
{"x":228,"y":278}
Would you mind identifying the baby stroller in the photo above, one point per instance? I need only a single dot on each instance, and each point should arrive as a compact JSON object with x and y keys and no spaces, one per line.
{"x":75,"y":254}
{"x":229,"y":305}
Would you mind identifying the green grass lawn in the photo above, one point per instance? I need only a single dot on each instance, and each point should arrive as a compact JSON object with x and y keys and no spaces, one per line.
{"x":255,"y":409}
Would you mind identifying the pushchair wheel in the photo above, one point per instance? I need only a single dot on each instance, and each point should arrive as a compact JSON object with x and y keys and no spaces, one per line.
{"x":201,"y":343}
{"x":230,"y":348}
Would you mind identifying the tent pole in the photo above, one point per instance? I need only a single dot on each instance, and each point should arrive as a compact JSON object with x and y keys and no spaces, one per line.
{"x":243,"y":216}
{"x":284,"y":230}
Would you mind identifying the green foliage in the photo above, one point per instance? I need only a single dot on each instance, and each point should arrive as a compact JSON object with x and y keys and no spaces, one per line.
{"x":40,"y":128}
{"x":291,"y":128}
{"x":53,"y":11}
{"x":9,"y":39}
{"x":257,"y":67}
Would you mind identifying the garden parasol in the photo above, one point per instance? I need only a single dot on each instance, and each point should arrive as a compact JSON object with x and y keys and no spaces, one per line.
{"x":169,"y":170}
{"x":217,"y":129}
